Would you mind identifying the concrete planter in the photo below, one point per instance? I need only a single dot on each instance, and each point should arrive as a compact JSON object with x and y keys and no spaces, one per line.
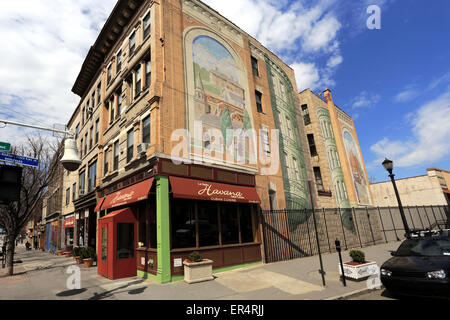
{"x":198,"y":271}
{"x":359,"y":271}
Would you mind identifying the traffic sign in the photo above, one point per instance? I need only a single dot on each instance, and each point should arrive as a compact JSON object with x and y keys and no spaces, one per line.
{"x":5,"y":146}
{"x":19,"y":160}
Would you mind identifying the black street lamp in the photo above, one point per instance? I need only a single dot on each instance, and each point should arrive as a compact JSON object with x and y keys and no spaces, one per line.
{"x":389,"y":165}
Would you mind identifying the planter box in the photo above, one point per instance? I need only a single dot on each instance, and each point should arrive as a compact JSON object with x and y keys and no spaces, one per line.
{"x":88,"y":262}
{"x":357,"y":271}
{"x":198,"y":271}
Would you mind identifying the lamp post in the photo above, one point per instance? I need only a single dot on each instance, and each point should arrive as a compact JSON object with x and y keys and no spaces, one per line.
{"x":389,"y":165}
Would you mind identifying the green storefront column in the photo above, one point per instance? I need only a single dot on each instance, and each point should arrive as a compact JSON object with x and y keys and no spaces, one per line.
{"x":163,"y":229}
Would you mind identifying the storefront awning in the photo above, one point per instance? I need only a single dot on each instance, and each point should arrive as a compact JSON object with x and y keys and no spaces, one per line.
{"x":99,"y":204}
{"x":446,"y":191}
{"x":69,"y":223}
{"x":212,"y":191}
{"x":128,"y":195}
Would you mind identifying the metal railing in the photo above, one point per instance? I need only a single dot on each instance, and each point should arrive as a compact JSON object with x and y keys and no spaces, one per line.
{"x":291,"y":234}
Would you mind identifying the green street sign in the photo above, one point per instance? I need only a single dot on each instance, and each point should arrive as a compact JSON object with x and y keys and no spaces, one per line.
{"x":5,"y":147}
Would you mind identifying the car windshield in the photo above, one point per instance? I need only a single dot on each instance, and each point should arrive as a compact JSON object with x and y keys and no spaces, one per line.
{"x":424,"y":247}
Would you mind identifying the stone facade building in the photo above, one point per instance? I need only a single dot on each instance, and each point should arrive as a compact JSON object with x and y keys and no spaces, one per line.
{"x":336,"y":158}
{"x":176,"y":129}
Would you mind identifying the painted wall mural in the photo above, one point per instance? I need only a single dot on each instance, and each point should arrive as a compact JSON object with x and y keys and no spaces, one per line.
{"x":356,"y":169}
{"x":220,"y":97}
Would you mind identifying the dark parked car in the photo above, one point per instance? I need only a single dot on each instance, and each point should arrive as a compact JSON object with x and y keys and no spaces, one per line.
{"x":419,"y":267}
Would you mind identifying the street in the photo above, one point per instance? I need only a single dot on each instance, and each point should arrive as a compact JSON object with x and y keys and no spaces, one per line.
{"x":40,"y":275}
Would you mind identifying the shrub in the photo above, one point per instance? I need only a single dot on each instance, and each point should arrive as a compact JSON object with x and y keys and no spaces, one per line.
{"x":358,"y":256}
{"x":86,"y":253}
{"x":76,"y":251}
{"x":195,"y":256}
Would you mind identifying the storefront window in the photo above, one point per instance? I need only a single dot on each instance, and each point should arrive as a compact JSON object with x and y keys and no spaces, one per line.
{"x":125,"y":240}
{"x":152,"y":229}
{"x":208,"y":225}
{"x":229,"y":223}
{"x":183,"y":224}
{"x":69,"y":236}
{"x":246,"y":224}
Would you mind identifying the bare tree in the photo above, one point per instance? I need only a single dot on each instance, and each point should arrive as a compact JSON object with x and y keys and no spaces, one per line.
{"x":34,"y":183}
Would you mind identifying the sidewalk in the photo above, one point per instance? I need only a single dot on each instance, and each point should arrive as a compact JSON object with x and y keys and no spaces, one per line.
{"x":290,"y":280}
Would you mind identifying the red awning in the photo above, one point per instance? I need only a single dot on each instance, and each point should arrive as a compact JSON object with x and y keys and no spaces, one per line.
{"x":128,"y":195}
{"x":446,"y":191}
{"x":99,"y":204}
{"x":204,"y":190}
{"x":69,"y":223}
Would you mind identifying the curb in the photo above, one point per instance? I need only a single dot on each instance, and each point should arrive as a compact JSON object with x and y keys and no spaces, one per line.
{"x":353,"y":294}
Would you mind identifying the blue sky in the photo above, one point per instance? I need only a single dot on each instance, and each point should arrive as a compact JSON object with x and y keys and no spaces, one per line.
{"x":394,"y":82}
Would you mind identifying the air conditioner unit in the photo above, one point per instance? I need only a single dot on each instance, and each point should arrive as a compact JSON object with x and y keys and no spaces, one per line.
{"x":142,"y":148}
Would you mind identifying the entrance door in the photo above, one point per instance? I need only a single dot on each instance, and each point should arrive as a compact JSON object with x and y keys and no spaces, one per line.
{"x":126,"y":245}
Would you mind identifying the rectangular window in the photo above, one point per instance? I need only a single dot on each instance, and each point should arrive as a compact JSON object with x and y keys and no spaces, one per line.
{"x":289,"y":128}
{"x":255,"y":67}
{"x":83,"y":115}
{"x":132,"y":44}
{"x":97,"y":129}
{"x":265,"y":140}
{"x":99,"y":92}
{"x":81,"y":148}
{"x":119,"y":101}
{"x":146,"y":23}
{"x":229,"y":223}
{"x":74,"y":191}
{"x":92,"y":176}
{"x":106,"y":160}
{"x":137,"y":80}
{"x":119,"y":62}
{"x":130,"y":145}
{"x":258,"y":97}
{"x":305,"y":112}
{"x":91,"y":137}
{"x":93,"y":100}
{"x":109,"y":74}
{"x":125,"y":240}
{"x":148,"y":72}
{"x":146,"y":130}
{"x":208,"y":224}
{"x":246,"y":224}
{"x":116,"y":156}
{"x":318,"y":176}
{"x":104,"y":243}
{"x":286,"y":165}
{"x":67,"y":196}
{"x":81,"y":182}
{"x":85,"y":144}
{"x":183,"y":224}
{"x":111,"y":108}
{"x":77,"y":131}
{"x":312,"y":145}
{"x":297,"y":173}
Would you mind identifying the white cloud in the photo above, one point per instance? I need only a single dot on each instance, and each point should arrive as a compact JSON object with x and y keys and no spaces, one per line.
{"x":47,"y":43}
{"x":307,"y":75}
{"x":406,"y":95}
{"x":365,"y":100}
{"x":429,"y":141}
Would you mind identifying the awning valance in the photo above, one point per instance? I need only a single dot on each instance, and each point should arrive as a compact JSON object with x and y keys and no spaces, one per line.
{"x":212,"y":191}
{"x":446,"y":191}
{"x":99,"y":204}
{"x":128,"y":195}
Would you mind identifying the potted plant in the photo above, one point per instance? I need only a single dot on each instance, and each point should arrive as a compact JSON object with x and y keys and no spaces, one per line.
{"x":197,"y":269}
{"x":76,"y":254}
{"x":60,"y":252}
{"x":359,"y":268}
{"x":68,"y":251}
{"x":88,"y":256}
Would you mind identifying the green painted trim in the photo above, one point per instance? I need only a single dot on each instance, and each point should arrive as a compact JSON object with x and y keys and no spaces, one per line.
{"x":180,"y":277}
{"x":163,"y":229}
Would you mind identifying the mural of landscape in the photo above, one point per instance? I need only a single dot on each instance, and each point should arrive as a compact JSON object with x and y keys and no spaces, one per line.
{"x":219,"y":101}
{"x":356,"y":168}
